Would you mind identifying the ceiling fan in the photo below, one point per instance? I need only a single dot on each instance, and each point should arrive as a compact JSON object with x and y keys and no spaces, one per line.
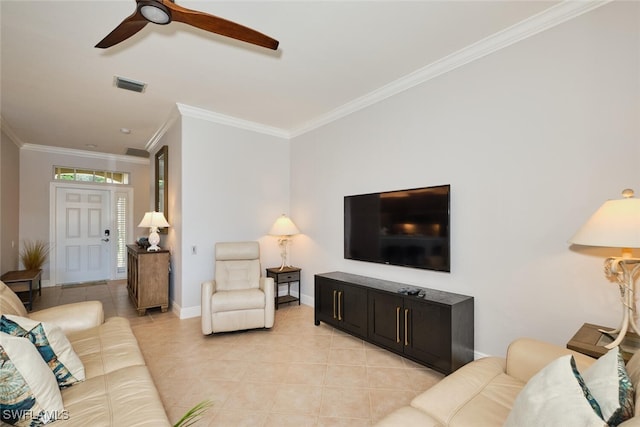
{"x":162,"y":12}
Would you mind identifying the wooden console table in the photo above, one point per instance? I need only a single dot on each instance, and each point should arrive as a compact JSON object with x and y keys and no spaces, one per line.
{"x":22,"y":281}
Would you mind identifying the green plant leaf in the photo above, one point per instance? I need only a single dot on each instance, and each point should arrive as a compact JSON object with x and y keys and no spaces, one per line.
{"x":194,"y":414}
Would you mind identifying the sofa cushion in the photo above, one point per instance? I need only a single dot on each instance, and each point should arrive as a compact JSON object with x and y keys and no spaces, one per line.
{"x":29,"y":389}
{"x":478,"y":394}
{"x":125,"y":397}
{"x":107,"y":348}
{"x":51,"y":343}
{"x":246,"y":299}
{"x":555,"y":397}
{"x":610,"y":385}
{"x":10,"y":302}
{"x":408,"y":416}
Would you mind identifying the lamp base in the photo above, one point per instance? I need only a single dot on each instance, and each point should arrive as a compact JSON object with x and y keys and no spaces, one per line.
{"x":624,"y":270}
{"x":154,"y":239}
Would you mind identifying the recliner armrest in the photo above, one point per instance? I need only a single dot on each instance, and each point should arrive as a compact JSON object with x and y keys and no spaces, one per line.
{"x":526,"y":356}
{"x":267,"y":285}
{"x":206,"y":292}
{"x":72,"y":317}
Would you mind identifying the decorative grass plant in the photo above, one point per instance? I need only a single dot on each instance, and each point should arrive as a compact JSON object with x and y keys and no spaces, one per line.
{"x":34,"y":254}
{"x":194,"y":414}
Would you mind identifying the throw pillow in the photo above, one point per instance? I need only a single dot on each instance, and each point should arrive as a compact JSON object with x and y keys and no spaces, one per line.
{"x":555,"y":397}
{"x":29,"y":393}
{"x":611,"y":386}
{"x":53,"y":345}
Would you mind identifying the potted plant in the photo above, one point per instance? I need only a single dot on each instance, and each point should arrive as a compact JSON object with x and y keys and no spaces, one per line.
{"x":34,"y":254}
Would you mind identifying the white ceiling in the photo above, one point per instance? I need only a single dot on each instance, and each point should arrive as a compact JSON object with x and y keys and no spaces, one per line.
{"x":57,"y":89}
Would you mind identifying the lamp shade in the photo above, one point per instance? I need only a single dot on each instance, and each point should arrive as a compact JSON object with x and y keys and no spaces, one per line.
{"x":284,"y":227}
{"x":153,"y":219}
{"x":616,"y":224}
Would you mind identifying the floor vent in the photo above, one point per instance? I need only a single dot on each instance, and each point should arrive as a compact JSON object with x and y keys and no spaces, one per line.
{"x":128,"y":84}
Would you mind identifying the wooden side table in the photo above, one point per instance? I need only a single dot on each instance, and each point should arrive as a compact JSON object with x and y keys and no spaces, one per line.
{"x":287,"y":275}
{"x":23,"y":281}
{"x":590,"y":341}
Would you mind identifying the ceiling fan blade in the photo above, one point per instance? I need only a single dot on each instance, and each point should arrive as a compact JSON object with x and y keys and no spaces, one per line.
{"x":126,"y":29}
{"x":221,"y":26}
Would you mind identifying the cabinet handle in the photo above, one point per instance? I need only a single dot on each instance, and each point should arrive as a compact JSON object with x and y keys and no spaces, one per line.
{"x":339,"y":305}
{"x":406,"y":334}
{"x":335,"y":316}
{"x":397,"y":324}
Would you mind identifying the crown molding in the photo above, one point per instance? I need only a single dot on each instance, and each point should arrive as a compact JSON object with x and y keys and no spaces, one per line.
{"x":199,"y":113}
{"x":549,"y":18}
{"x":151,"y":145}
{"x":10,"y":133}
{"x":84,"y":153}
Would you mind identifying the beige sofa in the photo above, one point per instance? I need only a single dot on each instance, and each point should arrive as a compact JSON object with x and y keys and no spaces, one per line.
{"x":482,"y":392}
{"x":118,"y":390}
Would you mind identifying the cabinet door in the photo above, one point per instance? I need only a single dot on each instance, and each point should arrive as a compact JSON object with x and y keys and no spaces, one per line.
{"x":341,"y":305}
{"x":352,"y":309}
{"x":386,"y":320}
{"x":326,"y":293}
{"x":429,"y":333}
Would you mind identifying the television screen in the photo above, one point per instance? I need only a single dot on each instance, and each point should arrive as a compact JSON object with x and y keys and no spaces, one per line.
{"x":408,"y":228}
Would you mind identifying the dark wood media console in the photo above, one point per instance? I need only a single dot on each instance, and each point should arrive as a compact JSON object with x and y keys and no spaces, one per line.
{"x":435,"y":330}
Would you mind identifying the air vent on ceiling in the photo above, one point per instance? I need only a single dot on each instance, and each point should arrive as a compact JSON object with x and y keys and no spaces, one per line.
{"x":137,"y":152}
{"x":128,"y":84}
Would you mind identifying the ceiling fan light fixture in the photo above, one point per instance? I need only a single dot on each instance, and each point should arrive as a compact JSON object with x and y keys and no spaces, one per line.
{"x":155,"y":12}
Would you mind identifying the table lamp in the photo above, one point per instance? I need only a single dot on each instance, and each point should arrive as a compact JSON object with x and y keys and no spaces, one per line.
{"x":617,"y":225}
{"x":284,"y":228}
{"x":153,"y":220}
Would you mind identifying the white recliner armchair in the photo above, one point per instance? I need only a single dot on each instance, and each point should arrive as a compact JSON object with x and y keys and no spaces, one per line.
{"x":239,"y":298}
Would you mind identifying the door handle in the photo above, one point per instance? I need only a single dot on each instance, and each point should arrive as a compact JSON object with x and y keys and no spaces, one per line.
{"x":105,"y":240}
{"x":406,"y":326}
{"x":334,"y":304}
{"x":339,"y":305}
{"x":397,"y":324}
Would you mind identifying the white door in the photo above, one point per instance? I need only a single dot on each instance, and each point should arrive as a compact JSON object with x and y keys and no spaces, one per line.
{"x":83,"y":219}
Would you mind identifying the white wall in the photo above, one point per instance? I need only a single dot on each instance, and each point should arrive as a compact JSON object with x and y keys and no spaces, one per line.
{"x":532,"y":139}
{"x":235,"y":183}
{"x":36,"y":173}
{"x":172,"y":138}
{"x":9,"y":203}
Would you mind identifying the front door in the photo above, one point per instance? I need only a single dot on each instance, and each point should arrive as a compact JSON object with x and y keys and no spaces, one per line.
{"x":83,"y":221}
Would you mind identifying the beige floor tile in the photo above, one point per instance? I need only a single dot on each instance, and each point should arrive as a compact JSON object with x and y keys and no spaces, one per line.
{"x":385,"y":401}
{"x":290,"y":420}
{"x":297,"y":399}
{"x":305,"y":373}
{"x":238,"y":418}
{"x":252,"y":397}
{"x":339,"y":402}
{"x":386,"y":378}
{"x":343,"y":422}
{"x":347,"y":356}
{"x":346,"y":376}
{"x":295,"y":374}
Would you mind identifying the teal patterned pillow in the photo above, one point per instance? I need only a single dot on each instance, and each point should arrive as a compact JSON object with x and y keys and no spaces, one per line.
{"x":29,"y":394}
{"x":53,"y":355}
{"x":609,"y":383}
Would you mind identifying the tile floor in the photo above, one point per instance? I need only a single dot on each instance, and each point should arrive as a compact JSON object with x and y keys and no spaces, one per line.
{"x":296,"y":374}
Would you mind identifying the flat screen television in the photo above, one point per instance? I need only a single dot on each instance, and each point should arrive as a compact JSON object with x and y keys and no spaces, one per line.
{"x":407,"y":228}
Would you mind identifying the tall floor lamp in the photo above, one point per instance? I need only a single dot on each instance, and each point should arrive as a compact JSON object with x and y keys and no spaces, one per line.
{"x":284,"y":228}
{"x":617,"y":225}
